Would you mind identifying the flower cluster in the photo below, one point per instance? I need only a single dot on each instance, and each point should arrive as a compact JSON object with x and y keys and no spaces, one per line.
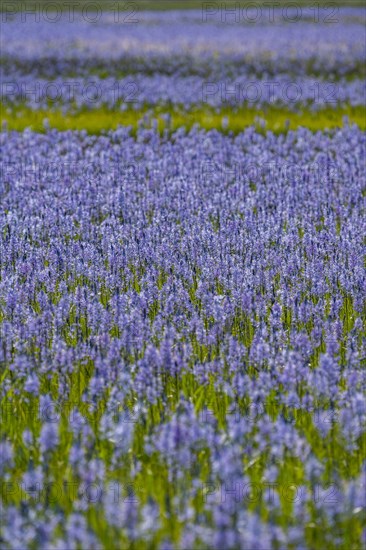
{"x":181,"y":353}
{"x":167,"y":60}
{"x":182,"y":312}
{"x":140,"y":90}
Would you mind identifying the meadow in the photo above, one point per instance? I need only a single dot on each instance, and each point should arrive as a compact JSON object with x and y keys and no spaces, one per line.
{"x":182,"y":279}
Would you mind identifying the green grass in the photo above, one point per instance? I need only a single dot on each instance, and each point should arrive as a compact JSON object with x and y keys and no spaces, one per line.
{"x":276,"y":119}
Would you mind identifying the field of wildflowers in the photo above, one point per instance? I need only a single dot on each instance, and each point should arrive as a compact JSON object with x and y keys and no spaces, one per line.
{"x":182,"y":280}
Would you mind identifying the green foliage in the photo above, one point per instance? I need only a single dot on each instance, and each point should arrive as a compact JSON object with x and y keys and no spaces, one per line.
{"x":96,"y":121}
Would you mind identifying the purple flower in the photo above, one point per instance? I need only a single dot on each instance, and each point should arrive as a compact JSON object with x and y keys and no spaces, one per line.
{"x":48,"y":437}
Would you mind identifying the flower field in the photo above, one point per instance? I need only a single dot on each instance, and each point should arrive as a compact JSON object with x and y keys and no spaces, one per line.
{"x":182,"y":283}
